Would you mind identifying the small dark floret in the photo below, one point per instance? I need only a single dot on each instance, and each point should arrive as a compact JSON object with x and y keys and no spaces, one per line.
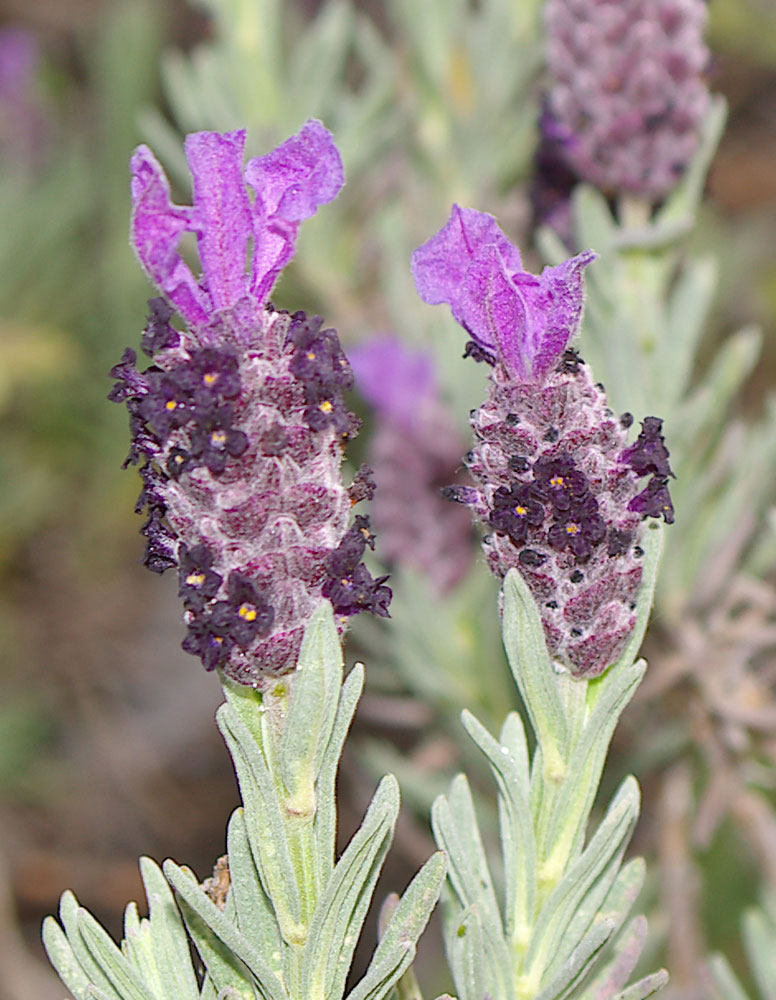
{"x":161,"y":548}
{"x":569,"y":362}
{"x":560,"y":481}
{"x":214,"y":439}
{"x":532,"y":558}
{"x":648,"y":454}
{"x":618,"y":542}
{"x":168,"y":404}
{"x":251,"y":614}
{"x":131,"y":383}
{"x":515,"y":509}
{"x":579,"y":529}
{"x":198,"y":580}
{"x":654,"y":501}
{"x":363,"y":486}
{"x":473,"y":350}
{"x":350,"y":586}
{"x":212,"y":373}
{"x":159,"y":335}
{"x":208,"y":637}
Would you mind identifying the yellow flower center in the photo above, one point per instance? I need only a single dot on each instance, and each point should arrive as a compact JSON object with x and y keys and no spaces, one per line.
{"x":326,"y":406}
{"x":195,"y":579}
{"x":247,"y":612}
{"x":209,"y":378}
{"x":218,"y":438}
{"x":171,"y":405}
{"x":557,"y":481}
{"x":572,"y":529}
{"x":521,"y":511}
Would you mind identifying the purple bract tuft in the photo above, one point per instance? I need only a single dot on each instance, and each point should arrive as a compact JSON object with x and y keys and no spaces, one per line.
{"x":628,"y":96}
{"x":240,"y":420}
{"x":556,"y":483}
{"x":415,"y":450}
{"x":525,"y":321}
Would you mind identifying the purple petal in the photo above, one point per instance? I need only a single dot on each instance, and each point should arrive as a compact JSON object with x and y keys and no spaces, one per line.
{"x":493,"y":311}
{"x":440,"y":265}
{"x":290,"y":183}
{"x":157,"y":226}
{"x":554,"y":302}
{"x":392,"y":378}
{"x":221,"y":214}
{"x":527,"y":321}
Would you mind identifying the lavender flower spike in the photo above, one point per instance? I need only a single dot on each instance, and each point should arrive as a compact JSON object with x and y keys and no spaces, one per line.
{"x":556,"y":484}
{"x":240,"y":420}
{"x":525,"y":321}
{"x":628,"y":94}
{"x":415,"y":449}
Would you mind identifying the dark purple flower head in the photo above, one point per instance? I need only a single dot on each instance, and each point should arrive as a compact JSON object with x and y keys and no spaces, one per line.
{"x":415,"y":449}
{"x":240,"y":419}
{"x":523,"y":321}
{"x":628,"y":94}
{"x":555,"y":482}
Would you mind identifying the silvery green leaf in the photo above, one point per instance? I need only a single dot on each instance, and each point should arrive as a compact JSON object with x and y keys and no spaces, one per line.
{"x":342,"y":908}
{"x":325,"y":822}
{"x":123,"y":978}
{"x":644,"y":987}
{"x":607,"y":844}
{"x":396,"y":950}
{"x":167,"y":937}
{"x":62,"y":957}
{"x":533,"y":670}
{"x":609,"y":899}
{"x":264,"y":822}
{"x":69,"y":916}
{"x":225,"y":930}
{"x":314,"y":700}
{"x":518,"y":840}
{"x":687,"y":312}
{"x":255,"y":916}
{"x":613,"y":976}
{"x":224,"y":970}
{"x":574,"y":969}
{"x":593,"y":222}
{"x":456,"y":830}
{"x":725,"y":979}
{"x":478,"y":971}
{"x":566,"y":832}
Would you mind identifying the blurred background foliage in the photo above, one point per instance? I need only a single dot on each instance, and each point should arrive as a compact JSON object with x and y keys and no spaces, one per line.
{"x":108,"y":746}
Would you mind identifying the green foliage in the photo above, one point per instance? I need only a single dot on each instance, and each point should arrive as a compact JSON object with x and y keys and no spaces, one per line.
{"x":292,"y":917}
{"x":561,"y":928}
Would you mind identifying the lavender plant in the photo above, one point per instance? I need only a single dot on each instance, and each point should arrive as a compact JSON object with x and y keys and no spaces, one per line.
{"x":240,"y":421}
{"x":564,"y":499}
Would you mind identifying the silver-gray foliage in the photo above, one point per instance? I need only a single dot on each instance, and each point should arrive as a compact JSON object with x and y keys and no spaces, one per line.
{"x":561,"y":929}
{"x":290,"y":921}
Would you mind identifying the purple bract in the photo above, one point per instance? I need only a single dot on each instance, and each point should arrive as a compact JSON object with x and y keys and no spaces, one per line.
{"x":525,"y":321}
{"x":555,"y":481}
{"x":628,"y":95}
{"x":240,"y":420}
